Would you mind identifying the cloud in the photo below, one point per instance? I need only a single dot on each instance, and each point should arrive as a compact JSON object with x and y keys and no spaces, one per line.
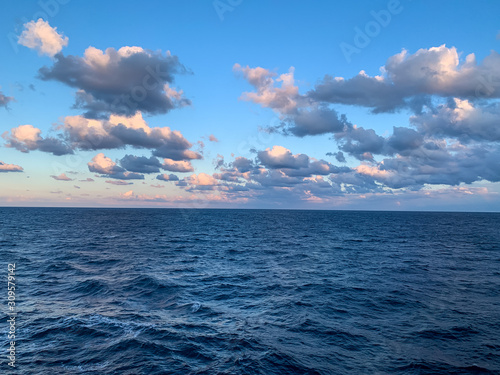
{"x":242,"y":164}
{"x":452,"y":139}
{"x":339,"y":156}
{"x":276,"y":173}
{"x":43,"y":38}
{"x":121,"y":131}
{"x":105,"y":166}
{"x":283,"y":99}
{"x":27,"y":138}
{"x":412,"y":163}
{"x":88,"y":179}
{"x":5,"y":100}
{"x":112,"y":182}
{"x":200,"y":199}
{"x":121,"y":81}
{"x":4,"y":167}
{"x":461,"y":119}
{"x":79,"y":133}
{"x":298,"y":114}
{"x":212,"y":138}
{"x":317,"y":121}
{"x":407,"y":81}
{"x":361,"y":143}
{"x":280,"y":157}
{"x":432,"y":162}
{"x":202,"y":179}
{"x":61,"y":177}
{"x":140,"y":164}
{"x":177,"y":166}
{"x":167,"y":177}
{"x":158,"y":186}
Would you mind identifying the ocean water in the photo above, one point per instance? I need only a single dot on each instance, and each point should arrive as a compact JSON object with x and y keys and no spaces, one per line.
{"x":168,"y":291}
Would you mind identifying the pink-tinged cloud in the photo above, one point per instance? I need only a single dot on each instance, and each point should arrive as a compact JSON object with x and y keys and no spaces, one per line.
{"x":212,"y":138}
{"x":61,"y":177}
{"x":299,"y":115}
{"x":27,"y":138}
{"x":43,"y":38}
{"x":105,"y":166}
{"x":281,"y":157}
{"x":201,"y":179}
{"x":4,"y":167}
{"x":122,"y":131}
{"x":177,"y":166}
{"x":167,"y":177}
{"x":119,"y":182}
{"x":282,"y":99}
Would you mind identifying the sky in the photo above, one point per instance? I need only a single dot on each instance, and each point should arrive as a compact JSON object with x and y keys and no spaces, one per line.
{"x":366,"y":105}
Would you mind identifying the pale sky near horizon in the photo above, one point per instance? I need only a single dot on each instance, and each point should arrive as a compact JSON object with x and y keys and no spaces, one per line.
{"x":376,"y":105}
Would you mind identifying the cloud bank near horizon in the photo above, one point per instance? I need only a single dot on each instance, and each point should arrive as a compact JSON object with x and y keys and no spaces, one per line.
{"x":451,"y":138}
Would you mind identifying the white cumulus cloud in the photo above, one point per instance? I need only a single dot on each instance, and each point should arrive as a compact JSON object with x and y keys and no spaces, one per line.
{"x":42,"y":37}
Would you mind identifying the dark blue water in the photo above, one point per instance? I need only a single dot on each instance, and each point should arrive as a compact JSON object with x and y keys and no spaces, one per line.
{"x":153,"y":291}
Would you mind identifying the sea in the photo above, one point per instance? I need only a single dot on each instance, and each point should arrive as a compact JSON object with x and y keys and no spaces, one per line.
{"x":271,"y":292}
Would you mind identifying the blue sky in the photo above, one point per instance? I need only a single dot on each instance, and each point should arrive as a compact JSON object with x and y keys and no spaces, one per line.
{"x":209,"y":38}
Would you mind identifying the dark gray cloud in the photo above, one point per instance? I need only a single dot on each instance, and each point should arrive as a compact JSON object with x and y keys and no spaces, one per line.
{"x":409,"y":80}
{"x":273,"y":168}
{"x":314,"y":121}
{"x":242,"y":164}
{"x":319,"y":167}
{"x":403,"y":140}
{"x":462,"y":120}
{"x":432,"y":163}
{"x":140,"y":164}
{"x":167,"y":177}
{"x":105,"y":166}
{"x":120,"y":81}
{"x":364,"y":144}
{"x":280,"y":157}
{"x":5,"y":100}
{"x":361,"y":90}
{"x":339,"y":156}
{"x":361,"y":143}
